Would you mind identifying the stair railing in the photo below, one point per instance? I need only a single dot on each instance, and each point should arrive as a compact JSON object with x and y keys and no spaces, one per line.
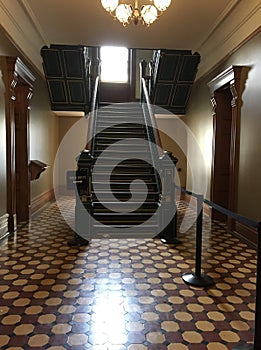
{"x":153,"y":131}
{"x":93,"y":116}
{"x":160,"y":159}
{"x":85,"y":162}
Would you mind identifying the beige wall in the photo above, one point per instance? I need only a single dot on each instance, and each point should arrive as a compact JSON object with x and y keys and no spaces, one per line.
{"x":72,"y":140}
{"x":168,"y":127}
{"x":65,"y":124}
{"x":43,"y":136}
{"x":199,"y":119}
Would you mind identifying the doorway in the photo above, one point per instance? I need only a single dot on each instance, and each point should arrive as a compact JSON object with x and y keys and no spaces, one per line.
{"x":18,"y":81}
{"x":222,"y":148}
{"x":21,"y":117}
{"x":226,"y":96}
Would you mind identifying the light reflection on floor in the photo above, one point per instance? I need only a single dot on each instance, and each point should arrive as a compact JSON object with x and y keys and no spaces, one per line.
{"x":122,"y":294}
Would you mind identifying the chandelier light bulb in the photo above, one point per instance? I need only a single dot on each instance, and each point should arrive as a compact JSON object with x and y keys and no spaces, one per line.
{"x":149,"y":14}
{"x":110,"y":5}
{"x":162,"y":5}
{"x":124,"y":13}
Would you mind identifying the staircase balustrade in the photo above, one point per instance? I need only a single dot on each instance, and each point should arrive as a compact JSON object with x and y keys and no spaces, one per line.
{"x":161,"y":160}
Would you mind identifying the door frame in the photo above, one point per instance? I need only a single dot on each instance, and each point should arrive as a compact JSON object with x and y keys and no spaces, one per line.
{"x":18,"y":81}
{"x":235,"y":77}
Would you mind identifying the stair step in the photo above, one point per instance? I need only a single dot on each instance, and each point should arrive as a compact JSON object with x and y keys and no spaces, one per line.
{"x":113,"y":154}
{"x":152,"y":196}
{"x":123,"y":220}
{"x":109,"y":140}
{"x":121,"y":135}
{"x":120,"y":114}
{"x":125,"y":124}
{"x":124,"y":147}
{"x":106,"y":161}
{"x":137,"y":168}
{"x":122,"y":110}
{"x":118,"y":130}
{"x":122,"y":177}
{"x":136,"y":231}
{"x":123,"y":186}
{"x":118,"y":205}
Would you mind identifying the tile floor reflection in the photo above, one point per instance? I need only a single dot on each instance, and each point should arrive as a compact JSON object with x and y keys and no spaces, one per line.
{"x":122,"y":294}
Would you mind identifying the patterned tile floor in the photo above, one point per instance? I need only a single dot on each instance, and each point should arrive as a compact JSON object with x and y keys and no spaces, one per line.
{"x":122,"y":294}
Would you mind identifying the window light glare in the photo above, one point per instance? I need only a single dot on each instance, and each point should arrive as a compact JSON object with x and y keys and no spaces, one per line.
{"x":114,"y":64}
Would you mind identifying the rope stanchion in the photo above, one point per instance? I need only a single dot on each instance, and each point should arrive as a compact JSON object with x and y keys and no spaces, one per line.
{"x":202,"y":280}
{"x":198,"y":279}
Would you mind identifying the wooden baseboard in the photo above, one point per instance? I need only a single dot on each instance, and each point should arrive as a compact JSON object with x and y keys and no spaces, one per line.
{"x":4,"y":226}
{"x":246,"y":233}
{"x":38,"y":202}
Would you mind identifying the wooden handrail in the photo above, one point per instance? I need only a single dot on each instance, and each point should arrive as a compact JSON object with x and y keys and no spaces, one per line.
{"x":92,"y":116}
{"x":152,"y":120}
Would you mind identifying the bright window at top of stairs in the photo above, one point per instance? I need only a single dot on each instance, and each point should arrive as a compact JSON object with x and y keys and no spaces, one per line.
{"x":114,"y":64}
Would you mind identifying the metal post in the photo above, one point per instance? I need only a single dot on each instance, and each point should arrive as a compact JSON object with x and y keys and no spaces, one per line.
{"x":199,"y":229}
{"x":198,"y":278}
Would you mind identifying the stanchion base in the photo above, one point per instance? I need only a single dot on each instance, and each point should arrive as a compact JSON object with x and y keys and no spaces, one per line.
{"x":170,"y":241}
{"x":198,"y":281}
{"x":244,"y":347}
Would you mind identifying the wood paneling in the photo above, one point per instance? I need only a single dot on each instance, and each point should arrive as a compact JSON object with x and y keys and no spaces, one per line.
{"x":226,"y":96}
{"x":18,"y":81}
{"x":41,"y":200}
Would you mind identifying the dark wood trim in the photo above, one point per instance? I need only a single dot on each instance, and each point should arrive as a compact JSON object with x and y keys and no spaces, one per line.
{"x":10,"y":80}
{"x":18,"y":82}
{"x":235,"y":77}
{"x":22,"y":142}
{"x":41,"y":200}
{"x":246,"y":234}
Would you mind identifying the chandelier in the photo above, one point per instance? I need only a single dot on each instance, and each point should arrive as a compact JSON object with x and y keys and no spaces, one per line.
{"x":126,"y":13}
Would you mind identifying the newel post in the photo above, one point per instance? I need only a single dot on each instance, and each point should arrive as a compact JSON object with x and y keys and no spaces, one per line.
{"x":83,"y":207}
{"x":168,"y":218}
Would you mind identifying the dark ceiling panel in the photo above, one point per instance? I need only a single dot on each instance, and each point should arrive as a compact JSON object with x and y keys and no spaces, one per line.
{"x":66,"y":70}
{"x":174,"y":72}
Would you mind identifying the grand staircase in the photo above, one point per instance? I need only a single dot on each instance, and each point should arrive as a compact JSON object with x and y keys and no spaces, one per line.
{"x":125,"y":185}
{"x":124,"y":181}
